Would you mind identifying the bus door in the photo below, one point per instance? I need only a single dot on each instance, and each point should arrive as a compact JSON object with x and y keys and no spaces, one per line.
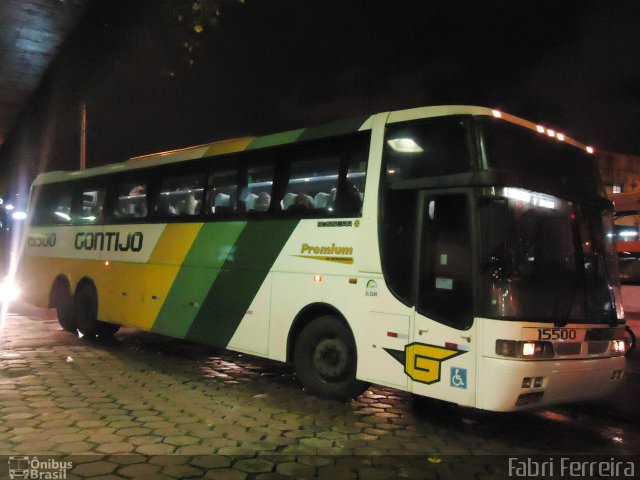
{"x":441,"y":359}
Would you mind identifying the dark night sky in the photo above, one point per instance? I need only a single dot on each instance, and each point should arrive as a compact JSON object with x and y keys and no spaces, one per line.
{"x":271,"y":65}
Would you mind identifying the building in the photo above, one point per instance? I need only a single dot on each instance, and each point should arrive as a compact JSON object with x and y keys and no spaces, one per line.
{"x":620,"y":172}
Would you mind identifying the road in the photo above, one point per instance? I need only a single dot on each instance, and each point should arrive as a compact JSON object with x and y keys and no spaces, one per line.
{"x":146,"y":406}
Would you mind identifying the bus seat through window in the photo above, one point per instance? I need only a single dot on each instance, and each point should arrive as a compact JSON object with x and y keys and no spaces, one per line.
{"x":222,"y":200}
{"x":321,"y":200}
{"x":249,"y":201}
{"x":288,"y":200}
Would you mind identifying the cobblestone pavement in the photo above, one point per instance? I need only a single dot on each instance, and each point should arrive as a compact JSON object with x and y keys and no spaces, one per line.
{"x":148,"y":407}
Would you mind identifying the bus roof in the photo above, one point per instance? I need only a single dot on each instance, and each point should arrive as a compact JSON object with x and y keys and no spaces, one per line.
{"x":336,"y":128}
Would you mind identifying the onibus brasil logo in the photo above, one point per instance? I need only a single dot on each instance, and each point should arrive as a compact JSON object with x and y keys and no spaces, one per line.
{"x":33,"y":468}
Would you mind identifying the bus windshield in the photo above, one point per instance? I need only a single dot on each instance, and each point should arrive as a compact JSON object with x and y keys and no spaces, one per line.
{"x":548,"y":259}
{"x":533,"y":158}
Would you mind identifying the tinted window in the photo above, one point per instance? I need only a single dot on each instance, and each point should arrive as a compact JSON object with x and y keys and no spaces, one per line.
{"x":324,"y":178}
{"x":569,"y":170}
{"x":180,"y":195}
{"x":223,"y":192}
{"x":131,"y":200}
{"x":313,"y":185}
{"x":91,"y":207}
{"x":53,"y":205}
{"x":445,"y":266}
{"x":546,"y":259}
{"x":426,"y":149}
{"x":352,"y":191}
{"x":398,"y":235}
{"x":327,"y":179}
{"x":256,"y":195}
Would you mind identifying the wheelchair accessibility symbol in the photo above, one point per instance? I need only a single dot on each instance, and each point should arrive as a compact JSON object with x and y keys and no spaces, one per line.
{"x":459,"y":377}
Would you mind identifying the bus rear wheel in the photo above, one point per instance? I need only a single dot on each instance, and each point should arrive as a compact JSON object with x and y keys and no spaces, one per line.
{"x":85,"y":305}
{"x":61,"y":300}
{"x":325,"y":359}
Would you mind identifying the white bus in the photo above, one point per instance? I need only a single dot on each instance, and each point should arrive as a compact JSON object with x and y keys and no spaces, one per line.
{"x":454,"y":252}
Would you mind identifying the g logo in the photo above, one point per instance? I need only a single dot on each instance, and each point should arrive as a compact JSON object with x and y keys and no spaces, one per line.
{"x":422,"y":362}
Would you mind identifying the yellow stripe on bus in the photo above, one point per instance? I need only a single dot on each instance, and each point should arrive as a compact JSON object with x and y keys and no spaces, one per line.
{"x":228,"y":146}
{"x":143,"y":288}
{"x":174,"y":244}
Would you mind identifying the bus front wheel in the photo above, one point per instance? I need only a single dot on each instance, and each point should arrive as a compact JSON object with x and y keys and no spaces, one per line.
{"x":85,"y":304}
{"x":325,"y":359}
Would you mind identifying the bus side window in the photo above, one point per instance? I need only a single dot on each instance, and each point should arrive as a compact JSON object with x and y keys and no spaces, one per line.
{"x":256,"y":195}
{"x":223,"y":192}
{"x":398,"y":227}
{"x":327,"y":180}
{"x":92,"y":206}
{"x":445,"y":265}
{"x":351,"y":193}
{"x":131,"y":201}
{"x":53,"y":205}
{"x":312,"y":185}
{"x":180,"y":195}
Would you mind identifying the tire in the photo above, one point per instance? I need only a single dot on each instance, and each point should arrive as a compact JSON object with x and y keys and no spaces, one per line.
{"x":629,"y":340}
{"x":61,"y":300}
{"x":325,"y":360}
{"x":85,"y":306}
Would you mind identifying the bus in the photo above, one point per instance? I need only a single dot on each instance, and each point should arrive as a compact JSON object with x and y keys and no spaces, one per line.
{"x":454,"y":252}
{"x":627,"y":226}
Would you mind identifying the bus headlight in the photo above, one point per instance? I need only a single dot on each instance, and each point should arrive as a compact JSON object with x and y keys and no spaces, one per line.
{"x":9,"y":290}
{"x":528,"y":349}
{"x":524,"y":350}
{"x":618,"y":346}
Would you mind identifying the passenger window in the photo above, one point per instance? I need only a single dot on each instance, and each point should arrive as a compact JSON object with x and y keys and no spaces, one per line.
{"x":256,"y":196}
{"x":91,"y":210}
{"x":180,"y":195}
{"x":223,"y":192}
{"x":418,"y":150}
{"x":445,"y":264}
{"x":53,"y":205}
{"x":313,"y":184}
{"x":352,"y":195}
{"x":131,"y":201}
{"x":398,"y":227}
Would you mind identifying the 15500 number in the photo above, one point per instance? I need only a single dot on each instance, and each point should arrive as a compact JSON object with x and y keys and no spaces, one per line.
{"x":556,"y":334}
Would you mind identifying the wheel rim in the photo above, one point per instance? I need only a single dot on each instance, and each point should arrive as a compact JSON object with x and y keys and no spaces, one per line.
{"x":331,"y":359}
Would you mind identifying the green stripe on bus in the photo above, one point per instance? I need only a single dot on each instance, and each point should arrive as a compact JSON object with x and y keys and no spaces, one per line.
{"x":275,"y":139}
{"x":211,"y":248}
{"x":237,"y":284}
{"x":334,"y":129}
